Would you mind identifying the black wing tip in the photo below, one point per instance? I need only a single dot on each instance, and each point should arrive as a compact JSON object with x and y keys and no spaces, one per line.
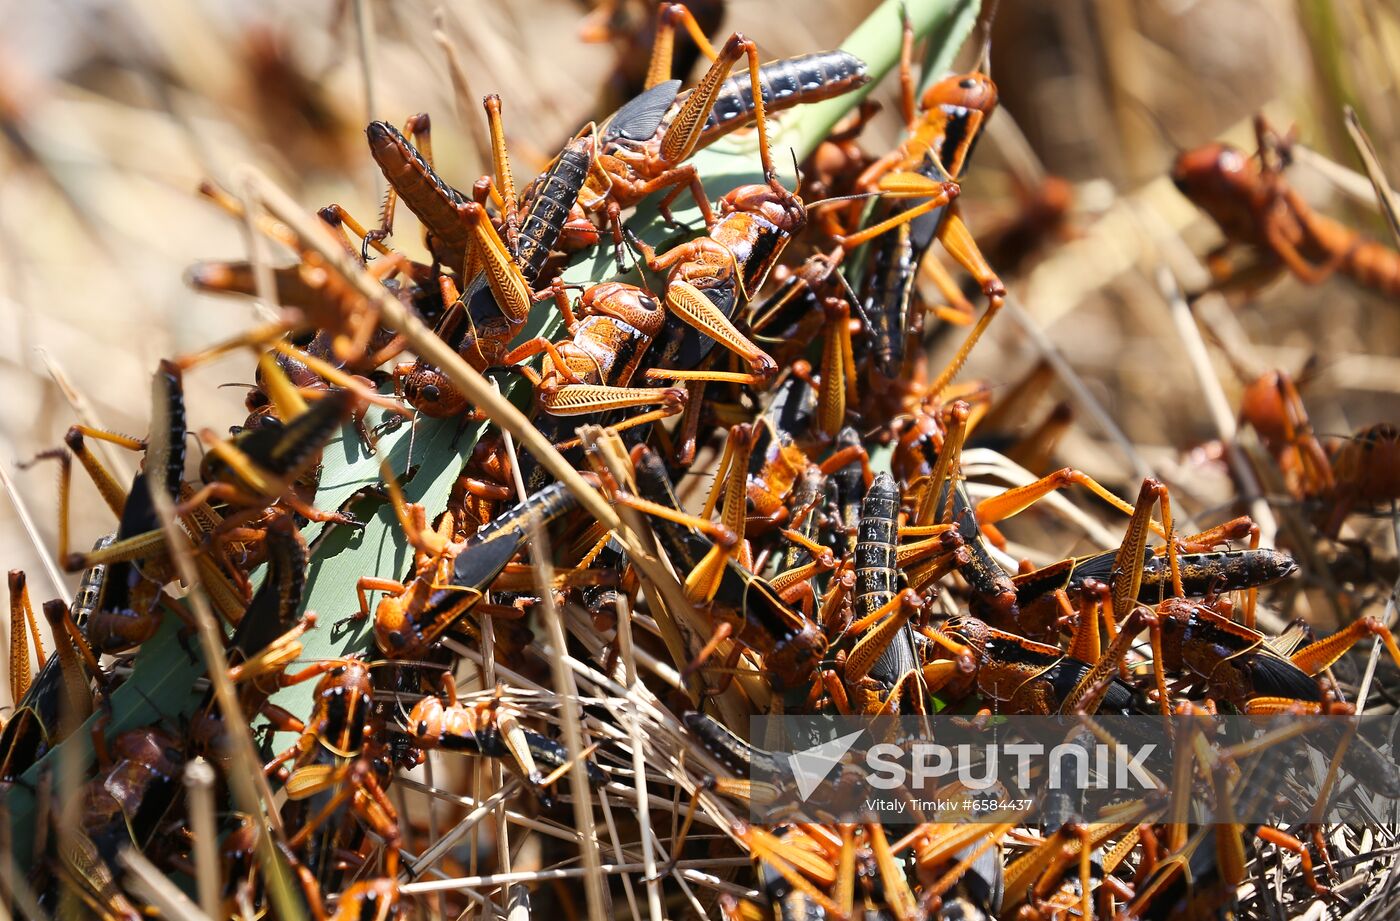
{"x":1275,"y":676}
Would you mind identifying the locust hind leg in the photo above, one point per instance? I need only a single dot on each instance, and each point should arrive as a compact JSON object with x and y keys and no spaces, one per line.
{"x":1317,"y":656}
{"x":23,"y":627}
{"x":838,"y":383}
{"x":504,"y":180}
{"x":691,"y":305}
{"x":668,"y":16}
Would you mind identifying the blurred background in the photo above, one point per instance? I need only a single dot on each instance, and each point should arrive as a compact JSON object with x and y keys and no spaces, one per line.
{"x":112,"y":112}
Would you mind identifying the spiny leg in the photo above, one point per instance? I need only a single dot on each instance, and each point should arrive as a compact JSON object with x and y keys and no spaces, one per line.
{"x":583,"y":399}
{"x":505,"y":182}
{"x":838,"y":384}
{"x":646,"y":418}
{"x":683,"y":134}
{"x":691,"y":305}
{"x":1127,"y":565}
{"x":340,"y":219}
{"x":1317,"y":656}
{"x":22,"y":622}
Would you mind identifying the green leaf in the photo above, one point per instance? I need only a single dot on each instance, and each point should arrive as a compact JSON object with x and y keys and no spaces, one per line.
{"x":432,"y":450}
{"x":160,"y":691}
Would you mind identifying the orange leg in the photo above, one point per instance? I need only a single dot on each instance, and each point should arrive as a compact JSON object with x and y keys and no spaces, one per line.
{"x":504,"y":181}
{"x":1088,"y":692}
{"x":949,"y":466}
{"x":22,"y":617}
{"x":959,"y":310}
{"x":645,"y":418}
{"x":730,"y":487}
{"x":668,"y":15}
{"x":1014,"y":501}
{"x":799,"y":866}
{"x":1127,"y":565}
{"x":960,"y":245}
{"x":340,"y":219}
{"x":907,"y":87}
{"x":838,"y":384}
{"x":532,"y":347}
{"x":905,"y":185}
{"x":891,"y":618}
{"x":691,"y":305}
{"x":366,"y":584}
{"x":683,"y":134}
{"x":582,"y":399}
{"x":1317,"y":656}
{"x":1282,"y":839}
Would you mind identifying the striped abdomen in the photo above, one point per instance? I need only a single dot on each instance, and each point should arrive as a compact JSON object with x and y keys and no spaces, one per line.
{"x":876,"y":577}
{"x":553,"y":196}
{"x":875,"y":546}
{"x":167,"y":451}
{"x":886,"y":285}
{"x":1201,"y":574}
{"x":786,"y":83}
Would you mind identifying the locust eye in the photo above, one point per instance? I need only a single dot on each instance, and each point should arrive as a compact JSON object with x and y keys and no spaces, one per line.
{"x":968,"y":83}
{"x":431,"y":392}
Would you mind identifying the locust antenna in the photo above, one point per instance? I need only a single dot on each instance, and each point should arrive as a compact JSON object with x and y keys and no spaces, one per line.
{"x":984,"y":61}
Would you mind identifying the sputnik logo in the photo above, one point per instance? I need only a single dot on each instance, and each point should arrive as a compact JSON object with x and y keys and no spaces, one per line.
{"x":811,"y":766}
